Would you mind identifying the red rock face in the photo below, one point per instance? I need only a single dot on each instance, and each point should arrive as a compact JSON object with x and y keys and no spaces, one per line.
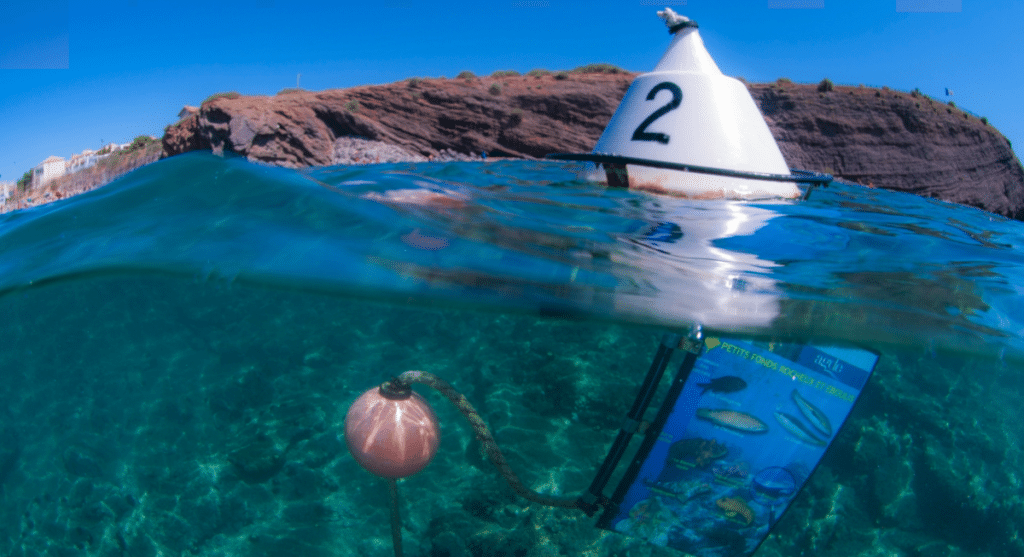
{"x":895,"y":140}
{"x":517,"y":116}
{"x":876,"y":137}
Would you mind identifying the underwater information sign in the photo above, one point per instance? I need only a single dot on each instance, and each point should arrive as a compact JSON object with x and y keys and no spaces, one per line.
{"x":745,"y":432}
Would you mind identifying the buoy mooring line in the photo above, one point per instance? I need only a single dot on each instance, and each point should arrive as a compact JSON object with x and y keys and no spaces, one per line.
{"x":393,"y":433}
{"x":402,"y":384}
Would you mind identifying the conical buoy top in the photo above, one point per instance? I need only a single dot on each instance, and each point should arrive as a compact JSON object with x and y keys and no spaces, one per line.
{"x":687,"y":113}
{"x":687,"y":52}
{"x":392,"y":436}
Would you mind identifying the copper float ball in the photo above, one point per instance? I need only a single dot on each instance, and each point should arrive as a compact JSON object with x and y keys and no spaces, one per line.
{"x":392,"y":437}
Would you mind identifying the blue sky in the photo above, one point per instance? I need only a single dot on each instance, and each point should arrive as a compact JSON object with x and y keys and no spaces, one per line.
{"x":76,"y":74}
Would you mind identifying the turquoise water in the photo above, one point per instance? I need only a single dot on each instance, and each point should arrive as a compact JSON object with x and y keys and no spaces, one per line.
{"x":179,"y":349}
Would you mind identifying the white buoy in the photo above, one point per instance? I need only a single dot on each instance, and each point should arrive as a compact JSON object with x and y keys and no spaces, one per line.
{"x":686,"y":113}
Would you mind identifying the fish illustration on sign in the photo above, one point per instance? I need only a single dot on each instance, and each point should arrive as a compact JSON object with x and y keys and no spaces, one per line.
{"x":814,"y":415}
{"x":731,"y":471}
{"x":798,"y":430}
{"x":772,"y":487}
{"x":738,"y":421}
{"x":699,"y":451}
{"x":736,"y":508}
{"x":774,"y":483}
{"x":724,"y":384}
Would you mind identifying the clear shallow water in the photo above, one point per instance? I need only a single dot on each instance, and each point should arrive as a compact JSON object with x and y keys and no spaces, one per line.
{"x":852,"y":263}
{"x":166,"y":335}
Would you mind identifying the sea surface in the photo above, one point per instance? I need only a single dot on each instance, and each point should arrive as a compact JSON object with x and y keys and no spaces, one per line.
{"x":178,"y":350}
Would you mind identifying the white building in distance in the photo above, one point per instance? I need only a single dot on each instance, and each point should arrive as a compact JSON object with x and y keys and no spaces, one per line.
{"x":47,"y":170}
{"x":6,"y":189}
{"x":78,"y":161}
{"x":54,"y":166}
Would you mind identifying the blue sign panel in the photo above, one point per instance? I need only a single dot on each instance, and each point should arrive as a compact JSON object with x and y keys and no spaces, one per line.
{"x":741,"y":438}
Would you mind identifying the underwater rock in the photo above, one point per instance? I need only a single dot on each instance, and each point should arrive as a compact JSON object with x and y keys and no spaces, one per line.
{"x":203,"y":513}
{"x":449,"y":533}
{"x":258,"y":461}
{"x":310,"y":512}
{"x":886,"y":460}
{"x":449,"y":545}
{"x":174,"y":532}
{"x":82,"y":461}
{"x":10,"y":449}
{"x":320,"y":450}
{"x":826,"y":515}
{"x":94,"y":512}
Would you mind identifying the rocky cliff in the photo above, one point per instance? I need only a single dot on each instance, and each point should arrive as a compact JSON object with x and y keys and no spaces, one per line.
{"x":519,"y":116}
{"x":889,"y":139}
{"x":895,"y":140}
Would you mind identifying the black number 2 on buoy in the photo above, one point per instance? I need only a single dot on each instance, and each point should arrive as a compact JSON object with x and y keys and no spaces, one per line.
{"x":717,"y":136}
{"x":641,"y":133}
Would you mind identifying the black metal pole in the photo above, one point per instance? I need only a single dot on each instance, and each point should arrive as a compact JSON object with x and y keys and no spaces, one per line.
{"x":590,"y":500}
